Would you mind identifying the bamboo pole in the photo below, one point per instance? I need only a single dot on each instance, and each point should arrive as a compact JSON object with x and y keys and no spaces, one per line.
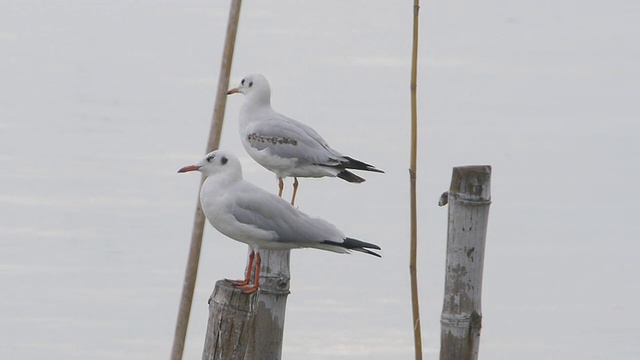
{"x":417,"y":336}
{"x":199,"y":218}
{"x":250,"y":326}
{"x":265,"y":337}
{"x":469,"y":199}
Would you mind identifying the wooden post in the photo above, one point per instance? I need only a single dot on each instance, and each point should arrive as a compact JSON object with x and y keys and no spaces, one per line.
{"x":469,"y":198}
{"x":231,"y":314}
{"x":250,"y":326}
{"x":265,"y":338}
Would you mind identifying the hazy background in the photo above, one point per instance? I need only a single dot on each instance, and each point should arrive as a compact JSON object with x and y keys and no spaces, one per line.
{"x":102,"y":101}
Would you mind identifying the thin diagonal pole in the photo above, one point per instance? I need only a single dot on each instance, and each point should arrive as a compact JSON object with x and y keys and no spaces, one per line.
{"x":199,"y":218}
{"x":417,"y":334}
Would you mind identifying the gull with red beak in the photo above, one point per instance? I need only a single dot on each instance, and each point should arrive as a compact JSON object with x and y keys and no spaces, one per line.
{"x":249,"y":214}
{"x":285,"y":146}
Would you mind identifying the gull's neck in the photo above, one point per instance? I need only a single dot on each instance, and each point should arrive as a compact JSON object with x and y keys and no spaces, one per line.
{"x":258,"y":99}
{"x":255,"y":106}
{"x":219,"y":183}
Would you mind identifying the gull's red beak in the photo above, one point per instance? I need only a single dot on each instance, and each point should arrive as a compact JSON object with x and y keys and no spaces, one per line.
{"x":189,"y":168}
{"x":233,"y":91}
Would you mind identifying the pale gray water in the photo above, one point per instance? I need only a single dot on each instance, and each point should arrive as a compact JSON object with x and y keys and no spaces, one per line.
{"x":102,"y":102}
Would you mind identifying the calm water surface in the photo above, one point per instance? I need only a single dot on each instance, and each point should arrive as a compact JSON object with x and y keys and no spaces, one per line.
{"x":102,"y":103}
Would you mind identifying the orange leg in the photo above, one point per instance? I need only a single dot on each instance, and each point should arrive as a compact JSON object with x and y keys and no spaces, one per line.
{"x":295,"y":190}
{"x":247,"y":278}
{"x":250,"y":289}
{"x":281,"y":186}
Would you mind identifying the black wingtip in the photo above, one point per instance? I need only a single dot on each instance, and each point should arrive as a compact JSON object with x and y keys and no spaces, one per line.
{"x":357,"y":245}
{"x":349,"y":176}
{"x":354,"y":164}
{"x":368,"y":252}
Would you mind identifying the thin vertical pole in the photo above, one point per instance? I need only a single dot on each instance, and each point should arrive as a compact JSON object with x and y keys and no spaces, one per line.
{"x":417,"y":334}
{"x":199,"y":218}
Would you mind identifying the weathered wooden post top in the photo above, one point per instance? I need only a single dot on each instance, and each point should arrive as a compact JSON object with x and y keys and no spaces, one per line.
{"x":250,"y":326}
{"x":469,"y":198}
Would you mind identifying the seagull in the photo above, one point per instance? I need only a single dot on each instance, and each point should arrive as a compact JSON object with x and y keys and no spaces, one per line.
{"x":285,"y":146}
{"x":249,"y":214}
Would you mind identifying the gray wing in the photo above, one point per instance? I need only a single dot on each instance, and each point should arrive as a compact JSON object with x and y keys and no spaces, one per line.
{"x":256,"y":207}
{"x":289,"y":138}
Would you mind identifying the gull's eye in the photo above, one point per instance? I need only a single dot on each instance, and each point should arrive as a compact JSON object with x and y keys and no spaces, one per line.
{"x":210,"y":158}
{"x":251,"y":84}
{"x":242,"y":82}
{"x":224,"y":160}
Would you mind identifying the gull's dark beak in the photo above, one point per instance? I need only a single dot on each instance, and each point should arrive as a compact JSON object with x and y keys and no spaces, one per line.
{"x":233,"y":91}
{"x":189,"y":168}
